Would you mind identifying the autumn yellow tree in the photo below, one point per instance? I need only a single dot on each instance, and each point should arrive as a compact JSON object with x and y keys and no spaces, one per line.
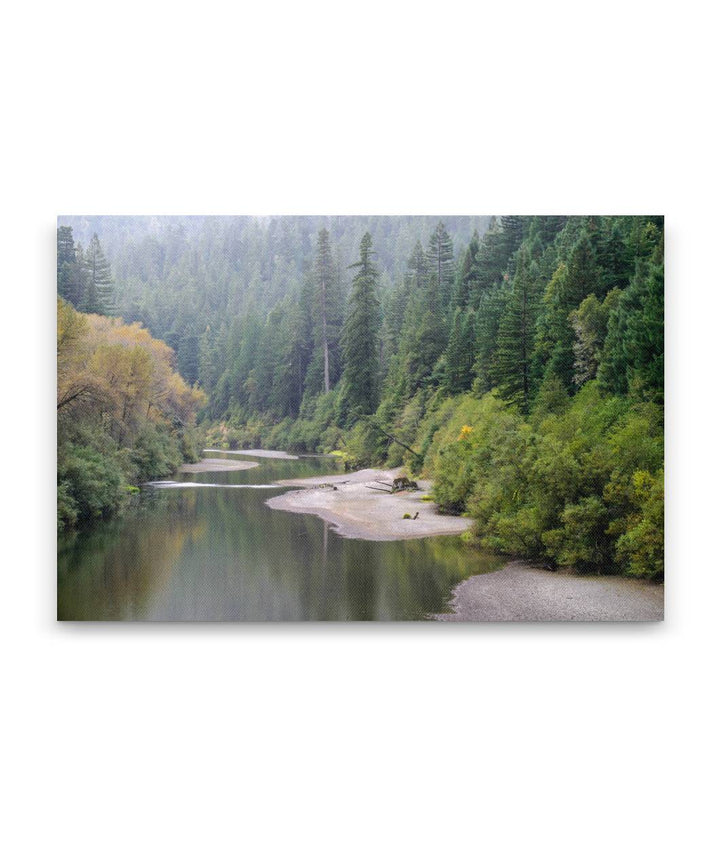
{"x":124,"y":412}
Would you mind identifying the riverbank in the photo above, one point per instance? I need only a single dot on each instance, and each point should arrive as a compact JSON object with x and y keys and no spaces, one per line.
{"x":359,"y":505}
{"x":520,"y":592}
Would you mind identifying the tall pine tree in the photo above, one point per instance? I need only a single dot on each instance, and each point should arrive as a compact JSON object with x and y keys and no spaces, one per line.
{"x":516,"y":336}
{"x":468,"y":279}
{"x":70,"y":274}
{"x":360,"y":337}
{"x":98,"y":288}
{"x":460,"y":353}
{"x":424,"y":334}
{"x":327,"y":313}
{"x":441,"y":260}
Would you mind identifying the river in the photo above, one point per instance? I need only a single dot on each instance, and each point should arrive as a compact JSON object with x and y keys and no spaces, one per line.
{"x":213,"y":551}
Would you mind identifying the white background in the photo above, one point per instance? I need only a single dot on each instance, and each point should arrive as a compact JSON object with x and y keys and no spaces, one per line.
{"x":359,"y":739}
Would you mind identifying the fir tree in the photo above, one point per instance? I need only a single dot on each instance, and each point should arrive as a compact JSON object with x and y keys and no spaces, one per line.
{"x":570,"y":284}
{"x":441,"y":261}
{"x":490,"y":310}
{"x":295,"y":353}
{"x":511,"y":236}
{"x":460,"y":353}
{"x":493,"y":259}
{"x":589,"y":322}
{"x":70,"y":283}
{"x":360,"y":337}
{"x":418,"y":270}
{"x":583,"y":274}
{"x":98,"y":288}
{"x":613,"y":255}
{"x":424,"y":334}
{"x":633,"y":354}
{"x":327,"y":310}
{"x":516,"y":335}
{"x":468,"y":278}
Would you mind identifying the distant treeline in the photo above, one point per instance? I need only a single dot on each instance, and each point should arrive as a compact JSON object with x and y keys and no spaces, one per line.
{"x":188,"y":279}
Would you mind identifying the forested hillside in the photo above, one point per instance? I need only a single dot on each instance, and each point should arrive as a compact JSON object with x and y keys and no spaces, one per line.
{"x":191,"y":280}
{"x":516,"y":360}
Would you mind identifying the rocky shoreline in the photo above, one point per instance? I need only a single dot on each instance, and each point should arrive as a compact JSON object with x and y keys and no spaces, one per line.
{"x":521,"y":592}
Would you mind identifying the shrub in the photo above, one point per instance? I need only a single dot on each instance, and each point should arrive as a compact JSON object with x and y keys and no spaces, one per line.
{"x":154,"y":455}
{"x":640,"y":549}
{"x":90,"y":484}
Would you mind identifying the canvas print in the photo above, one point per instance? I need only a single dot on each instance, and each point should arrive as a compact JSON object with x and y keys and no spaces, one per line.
{"x":360,"y":418}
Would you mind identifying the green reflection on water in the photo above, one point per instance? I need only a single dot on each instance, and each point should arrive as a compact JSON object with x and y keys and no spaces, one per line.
{"x":215,"y":553}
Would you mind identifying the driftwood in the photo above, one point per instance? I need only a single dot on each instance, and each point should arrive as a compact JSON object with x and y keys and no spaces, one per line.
{"x":403,"y":483}
{"x":398,"y":484}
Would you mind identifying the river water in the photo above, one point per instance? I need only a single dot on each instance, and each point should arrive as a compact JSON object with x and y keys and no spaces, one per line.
{"x":213,"y":551}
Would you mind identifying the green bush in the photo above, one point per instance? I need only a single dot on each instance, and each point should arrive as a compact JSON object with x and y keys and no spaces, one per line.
{"x":579,"y":484}
{"x":90,"y":484}
{"x":67,"y":509}
{"x":640,"y":549}
{"x":155,"y":454}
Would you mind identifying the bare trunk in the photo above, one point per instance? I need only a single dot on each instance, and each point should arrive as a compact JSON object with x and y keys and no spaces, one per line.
{"x":327,"y":365}
{"x":326,"y":355}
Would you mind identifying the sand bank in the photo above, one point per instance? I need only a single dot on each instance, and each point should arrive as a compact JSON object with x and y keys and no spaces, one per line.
{"x":356,"y":510}
{"x":257,"y":453}
{"x":519,"y":592}
{"x":217,"y":465}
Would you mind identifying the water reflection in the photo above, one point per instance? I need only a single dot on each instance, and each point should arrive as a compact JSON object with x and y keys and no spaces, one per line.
{"x":215,"y":554}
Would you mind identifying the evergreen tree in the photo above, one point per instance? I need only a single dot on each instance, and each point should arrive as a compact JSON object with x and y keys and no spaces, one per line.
{"x":441,"y":262}
{"x":460,"y":353}
{"x":583,"y":274}
{"x":589,"y":321}
{"x":98,"y":288}
{"x":418,"y":270}
{"x":511,"y":236}
{"x":516,"y":335}
{"x":613,"y":254}
{"x":555,"y":338}
{"x":188,"y":354}
{"x":209,"y":359}
{"x":65,"y":246}
{"x":294,"y":355}
{"x":468,"y":278}
{"x":493,"y":260}
{"x":490,"y":310}
{"x":633,"y":354}
{"x":327,"y":311}
{"x":548,"y":227}
{"x":70,"y":274}
{"x":66,"y":264}
{"x":360,"y":336}
{"x":646,"y":334}
{"x":424,"y":333}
